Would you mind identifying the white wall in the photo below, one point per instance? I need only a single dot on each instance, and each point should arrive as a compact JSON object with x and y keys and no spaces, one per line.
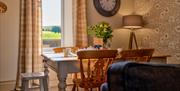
{"x":9,"y":33}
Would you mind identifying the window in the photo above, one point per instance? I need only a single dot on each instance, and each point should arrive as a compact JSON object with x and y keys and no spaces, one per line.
{"x":51,"y":23}
{"x":57,"y":21}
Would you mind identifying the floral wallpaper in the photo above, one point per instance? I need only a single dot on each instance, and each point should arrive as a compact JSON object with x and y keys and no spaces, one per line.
{"x":162,"y":18}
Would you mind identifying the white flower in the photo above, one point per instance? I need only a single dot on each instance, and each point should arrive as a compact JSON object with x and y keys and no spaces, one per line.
{"x":171,"y":19}
{"x":162,"y":14}
{"x":177,"y":55}
{"x":157,"y":6}
{"x":157,"y":30}
{"x":172,"y":45}
{"x":177,"y":28}
{"x":166,"y":10}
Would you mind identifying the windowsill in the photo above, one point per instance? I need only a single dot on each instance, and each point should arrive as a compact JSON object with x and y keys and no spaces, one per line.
{"x":51,"y":42}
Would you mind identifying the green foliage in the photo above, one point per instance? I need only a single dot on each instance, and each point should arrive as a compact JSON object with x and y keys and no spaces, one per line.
{"x":46,"y":28}
{"x":101,"y":30}
{"x":50,"y":35}
{"x":55,"y":29}
{"x":51,"y":32}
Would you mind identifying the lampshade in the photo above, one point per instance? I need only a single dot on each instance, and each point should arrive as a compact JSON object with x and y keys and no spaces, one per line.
{"x":3,"y":7}
{"x":132,"y":21}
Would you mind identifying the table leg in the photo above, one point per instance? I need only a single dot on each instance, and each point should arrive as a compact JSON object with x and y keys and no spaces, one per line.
{"x":62,"y":82}
{"x":46,"y":71}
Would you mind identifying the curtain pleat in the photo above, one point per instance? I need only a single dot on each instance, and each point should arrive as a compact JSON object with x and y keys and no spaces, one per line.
{"x":80,"y":23}
{"x":29,"y":54}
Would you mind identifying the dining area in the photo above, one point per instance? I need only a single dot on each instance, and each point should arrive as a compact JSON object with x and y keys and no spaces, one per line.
{"x":89,"y":45}
{"x":78,"y":61}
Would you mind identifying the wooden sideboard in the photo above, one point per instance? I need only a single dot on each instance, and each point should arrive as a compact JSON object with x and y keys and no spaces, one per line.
{"x":160,"y":59}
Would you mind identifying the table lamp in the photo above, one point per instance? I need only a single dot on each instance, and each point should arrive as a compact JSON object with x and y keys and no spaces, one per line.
{"x":132,"y":22}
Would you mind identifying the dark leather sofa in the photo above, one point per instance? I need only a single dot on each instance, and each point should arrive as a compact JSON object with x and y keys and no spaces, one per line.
{"x":131,"y":76}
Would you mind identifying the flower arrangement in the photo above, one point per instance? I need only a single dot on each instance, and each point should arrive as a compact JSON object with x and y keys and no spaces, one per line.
{"x":101,"y":30}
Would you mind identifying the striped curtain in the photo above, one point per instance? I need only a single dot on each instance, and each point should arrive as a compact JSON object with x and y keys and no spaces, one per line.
{"x":80,"y":23}
{"x":29,"y":55}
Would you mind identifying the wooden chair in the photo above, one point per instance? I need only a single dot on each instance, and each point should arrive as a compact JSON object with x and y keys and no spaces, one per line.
{"x":26,"y":77}
{"x":93,"y":67}
{"x":138,"y":55}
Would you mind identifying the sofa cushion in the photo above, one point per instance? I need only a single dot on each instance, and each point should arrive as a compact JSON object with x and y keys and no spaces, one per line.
{"x":131,"y":76}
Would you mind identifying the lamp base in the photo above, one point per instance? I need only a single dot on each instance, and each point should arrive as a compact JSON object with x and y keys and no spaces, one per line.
{"x":132,"y":37}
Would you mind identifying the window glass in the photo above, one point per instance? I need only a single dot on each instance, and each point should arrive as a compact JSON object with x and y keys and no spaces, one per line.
{"x":51,"y":23}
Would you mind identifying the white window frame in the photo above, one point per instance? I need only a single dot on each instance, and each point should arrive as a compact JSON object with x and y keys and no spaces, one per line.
{"x":67,"y":23}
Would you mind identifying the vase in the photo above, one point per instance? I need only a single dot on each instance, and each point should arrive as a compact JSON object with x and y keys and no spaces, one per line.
{"x":107,"y":44}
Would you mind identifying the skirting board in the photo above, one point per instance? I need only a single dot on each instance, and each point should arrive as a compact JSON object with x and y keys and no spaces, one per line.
{"x":7,"y":82}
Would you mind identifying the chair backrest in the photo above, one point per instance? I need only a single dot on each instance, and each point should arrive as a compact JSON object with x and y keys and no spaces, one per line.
{"x":138,"y":55}
{"x":60,"y":49}
{"x":94,"y":64}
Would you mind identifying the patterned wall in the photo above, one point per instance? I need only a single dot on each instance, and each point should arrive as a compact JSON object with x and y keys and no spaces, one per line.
{"x":162,"y":19}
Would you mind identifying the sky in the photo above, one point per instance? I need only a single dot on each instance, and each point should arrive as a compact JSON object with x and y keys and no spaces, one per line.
{"x":51,"y":12}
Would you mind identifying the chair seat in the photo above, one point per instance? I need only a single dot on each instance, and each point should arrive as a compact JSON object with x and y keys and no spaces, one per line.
{"x":89,"y":83}
{"x":34,"y":75}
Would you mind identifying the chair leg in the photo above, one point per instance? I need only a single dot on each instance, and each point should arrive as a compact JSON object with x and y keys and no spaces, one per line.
{"x":41,"y":84}
{"x":74,"y":87}
{"x":25,"y":85}
{"x":77,"y":88}
{"x":45,"y":83}
{"x":86,"y":89}
{"x":99,"y":88}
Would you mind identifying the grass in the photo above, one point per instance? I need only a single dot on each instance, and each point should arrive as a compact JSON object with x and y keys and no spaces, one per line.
{"x":50,"y":35}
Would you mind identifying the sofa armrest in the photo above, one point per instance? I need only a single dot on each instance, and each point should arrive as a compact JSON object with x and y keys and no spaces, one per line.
{"x":104,"y":87}
{"x":115,"y":76}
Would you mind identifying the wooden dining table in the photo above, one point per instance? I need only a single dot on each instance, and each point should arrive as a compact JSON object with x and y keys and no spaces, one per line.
{"x":66,"y":65}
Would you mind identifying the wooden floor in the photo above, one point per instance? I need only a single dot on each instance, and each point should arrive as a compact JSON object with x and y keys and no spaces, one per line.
{"x":10,"y":87}
{"x":53,"y":84}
